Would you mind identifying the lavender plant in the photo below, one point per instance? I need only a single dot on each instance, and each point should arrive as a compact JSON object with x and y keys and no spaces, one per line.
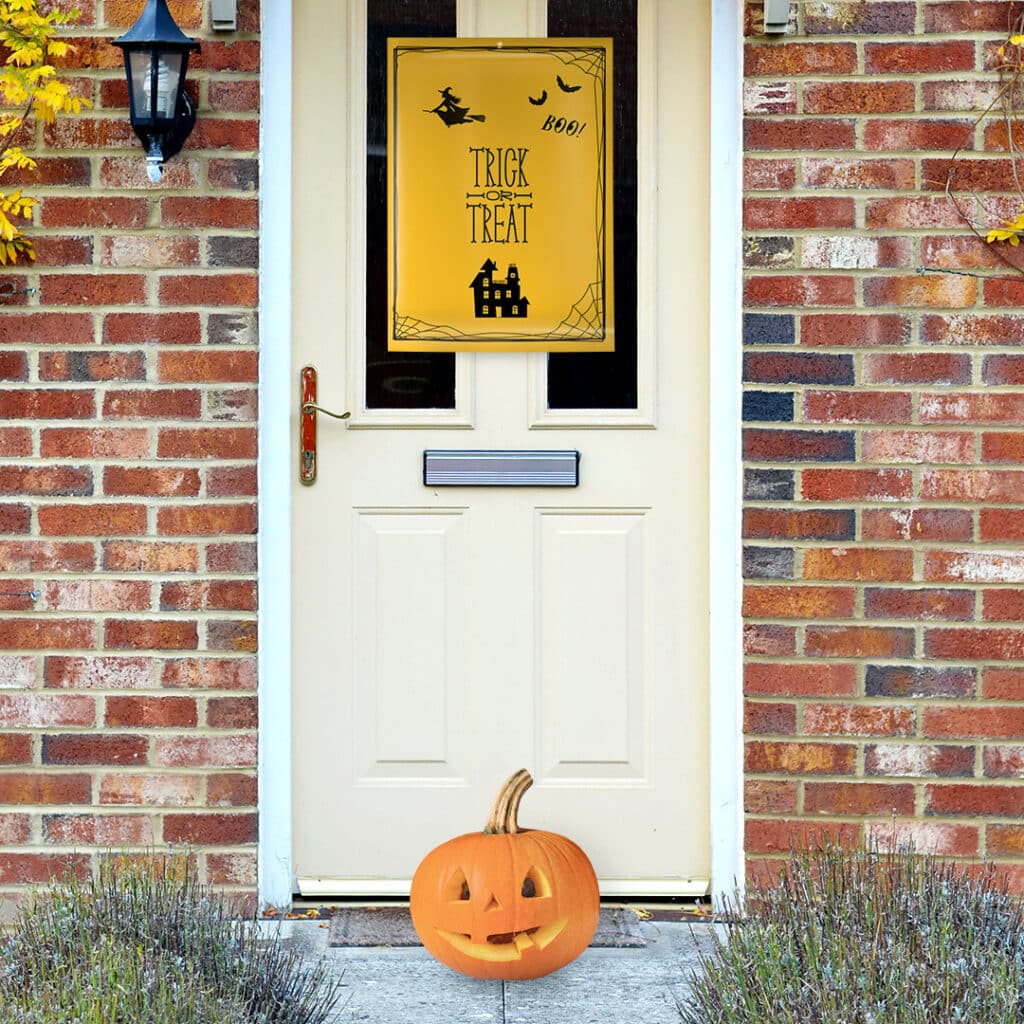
{"x":146,"y":943}
{"x":867,"y":937}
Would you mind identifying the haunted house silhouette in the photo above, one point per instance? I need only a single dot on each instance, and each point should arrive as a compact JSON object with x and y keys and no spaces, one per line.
{"x":497,"y":297}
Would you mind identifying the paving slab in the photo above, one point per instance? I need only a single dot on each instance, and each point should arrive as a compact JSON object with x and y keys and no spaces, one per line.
{"x":407,"y":986}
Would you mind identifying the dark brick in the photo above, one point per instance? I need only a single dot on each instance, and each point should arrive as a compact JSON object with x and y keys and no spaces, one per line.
{"x":907,"y":681}
{"x":769,"y":329}
{"x":767,"y":563}
{"x":768,"y":406}
{"x":232,"y":329}
{"x":232,"y":251}
{"x":768,"y":484}
{"x":768,"y":252}
{"x":764,"y":445}
{"x":797,"y":367}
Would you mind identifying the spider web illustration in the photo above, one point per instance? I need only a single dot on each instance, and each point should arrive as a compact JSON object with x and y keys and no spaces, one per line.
{"x":590,"y":62}
{"x":408,"y":328}
{"x":586,"y":318}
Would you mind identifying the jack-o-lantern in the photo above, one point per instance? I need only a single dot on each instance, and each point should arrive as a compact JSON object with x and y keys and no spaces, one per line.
{"x":505,"y":903}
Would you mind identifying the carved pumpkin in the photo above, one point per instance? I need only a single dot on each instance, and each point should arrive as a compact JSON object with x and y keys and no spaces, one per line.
{"x":505,"y":903}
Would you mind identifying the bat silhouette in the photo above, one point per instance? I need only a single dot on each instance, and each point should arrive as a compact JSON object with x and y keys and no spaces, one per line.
{"x":564,"y":87}
{"x":539,"y":102}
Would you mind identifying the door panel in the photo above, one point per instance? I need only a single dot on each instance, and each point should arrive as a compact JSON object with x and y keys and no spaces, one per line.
{"x":444,"y":637}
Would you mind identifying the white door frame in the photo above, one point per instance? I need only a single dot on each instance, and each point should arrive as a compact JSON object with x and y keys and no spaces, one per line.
{"x":277,"y":399}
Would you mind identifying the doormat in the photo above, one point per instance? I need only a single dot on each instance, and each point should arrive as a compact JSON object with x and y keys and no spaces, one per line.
{"x":392,"y":926}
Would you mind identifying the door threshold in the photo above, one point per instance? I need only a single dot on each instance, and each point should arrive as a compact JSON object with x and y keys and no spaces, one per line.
{"x":357,"y":890}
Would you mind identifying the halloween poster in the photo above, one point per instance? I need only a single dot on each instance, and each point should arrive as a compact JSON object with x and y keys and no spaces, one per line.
{"x":500,"y":195}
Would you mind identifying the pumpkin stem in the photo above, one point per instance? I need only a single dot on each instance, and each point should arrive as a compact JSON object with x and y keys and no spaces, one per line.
{"x":502,"y":819}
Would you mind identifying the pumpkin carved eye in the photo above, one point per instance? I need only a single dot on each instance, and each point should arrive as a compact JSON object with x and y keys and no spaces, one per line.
{"x":457,"y":887}
{"x":535,"y":884}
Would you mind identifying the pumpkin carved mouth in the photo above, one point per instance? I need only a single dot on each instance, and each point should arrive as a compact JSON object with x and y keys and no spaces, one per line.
{"x":505,"y":946}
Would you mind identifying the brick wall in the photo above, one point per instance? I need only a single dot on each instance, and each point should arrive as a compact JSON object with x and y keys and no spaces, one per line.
{"x":128,"y":478}
{"x":883,"y":439}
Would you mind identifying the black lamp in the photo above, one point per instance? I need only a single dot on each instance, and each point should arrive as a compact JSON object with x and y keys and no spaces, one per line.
{"x":156,"y":59}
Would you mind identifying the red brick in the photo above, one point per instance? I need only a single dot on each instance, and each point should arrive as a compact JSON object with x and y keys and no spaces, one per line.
{"x":975,"y":566}
{"x":798,"y":134}
{"x":125,"y":172}
{"x":206,"y":520}
{"x":234,"y":96}
{"x":226,"y":595}
{"x":94,"y":212}
{"x":98,"y":673}
{"x":957,"y":252}
{"x":149,"y":251}
{"x":975,"y":644}
{"x":1003,"y":370}
{"x":769,"y":757}
{"x":98,"y":829}
{"x":881,"y":17}
{"x":210,"y":829}
{"x":858,"y":97}
{"x":154,"y":482}
{"x":15,"y":441}
{"x":231,"y":635}
{"x":822,"y":524}
{"x":152,"y":328}
{"x":858,"y":798}
{"x":91,"y":133}
{"x":1002,"y":447}
{"x":918,"y":760}
{"x":900,"y":603}
{"x":965,"y":175}
{"x":972,"y":329}
{"x":1003,"y":762}
{"x":946,"y":96}
{"x":153,"y":790}
{"x":143,"y":556}
{"x":1005,"y":840}
{"x":1003,"y":684}
{"x":911,"y":211}
{"x":769,"y":175}
{"x":231,"y":790}
{"x":856,"y":484}
{"x":917,"y":446}
{"x":232,"y":713}
{"x":151,"y":712}
{"x":791,"y":602}
{"x":208,"y":211}
{"x":912,"y":58}
{"x":889,"y":174}
{"x":94,"y":443}
{"x":208,"y":443}
{"x":916,"y":368}
{"x":13,"y":366}
{"x":859,"y":642}
{"x":1004,"y":291}
{"x":225,"y":133}
{"x":975,"y":722}
{"x":92,"y":520}
{"x":95,"y":748}
{"x":920,"y":290}
{"x":775,"y":836}
{"x":766,"y":796}
{"x":47,"y":556}
{"x":800,"y":59}
{"x":15,"y":519}
{"x":234,"y":556}
{"x":853,"y":330}
{"x":45,"y":480}
{"x":856,"y":407}
{"x":92,"y":289}
{"x":858,"y":720}
{"x":798,"y":213}
{"x":28,"y":788}
{"x":768,"y":640}
{"x":36,"y":634}
{"x":15,"y":749}
{"x":966,"y":16}
{"x":1000,"y":524}
{"x":210,"y":674}
{"x":150,"y":634}
{"x":764,"y":445}
{"x":231,"y":869}
{"x":40,"y":868}
{"x":190,"y":366}
{"x":795,"y":290}
{"x":1006,"y":801}
{"x":15,"y":829}
{"x":209,"y":290}
{"x":96,"y":595}
{"x":801,"y":367}
{"x":54,"y":170}
{"x":47,"y":328}
{"x":168,"y":403}
{"x":858,"y":564}
{"x":51,"y":404}
{"x":231,"y":481}
{"x":802,"y":679}
{"x":971,"y":485}
{"x":228,"y":751}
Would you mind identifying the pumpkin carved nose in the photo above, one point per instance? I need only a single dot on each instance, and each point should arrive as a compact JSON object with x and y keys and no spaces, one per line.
{"x":493,"y":903}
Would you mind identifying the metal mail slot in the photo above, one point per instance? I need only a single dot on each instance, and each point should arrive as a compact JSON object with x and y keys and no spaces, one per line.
{"x":501,"y":468}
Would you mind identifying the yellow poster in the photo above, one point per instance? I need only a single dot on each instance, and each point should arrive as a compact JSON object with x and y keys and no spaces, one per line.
{"x":500,"y":195}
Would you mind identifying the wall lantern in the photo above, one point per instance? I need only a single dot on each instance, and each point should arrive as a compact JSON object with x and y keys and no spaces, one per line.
{"x":156,"y":59}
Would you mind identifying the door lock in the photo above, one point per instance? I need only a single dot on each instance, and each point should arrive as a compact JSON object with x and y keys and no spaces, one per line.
{"x":308,"y":410}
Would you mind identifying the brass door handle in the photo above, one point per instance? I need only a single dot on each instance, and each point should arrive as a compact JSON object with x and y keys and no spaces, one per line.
{"x":308,"y":409}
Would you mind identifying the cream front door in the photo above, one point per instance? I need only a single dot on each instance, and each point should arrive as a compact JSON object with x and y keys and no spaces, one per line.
{"x":447,"y":636}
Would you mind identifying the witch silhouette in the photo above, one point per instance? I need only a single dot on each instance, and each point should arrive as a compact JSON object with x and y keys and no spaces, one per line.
{"x":449,"y":110}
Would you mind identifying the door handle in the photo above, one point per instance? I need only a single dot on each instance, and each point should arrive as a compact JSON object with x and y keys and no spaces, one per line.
{"x":308,"y":409}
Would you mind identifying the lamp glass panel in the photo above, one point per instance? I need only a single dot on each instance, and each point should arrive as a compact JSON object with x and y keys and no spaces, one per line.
{"x":158,"y":105}
{"x":140,"y":76}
